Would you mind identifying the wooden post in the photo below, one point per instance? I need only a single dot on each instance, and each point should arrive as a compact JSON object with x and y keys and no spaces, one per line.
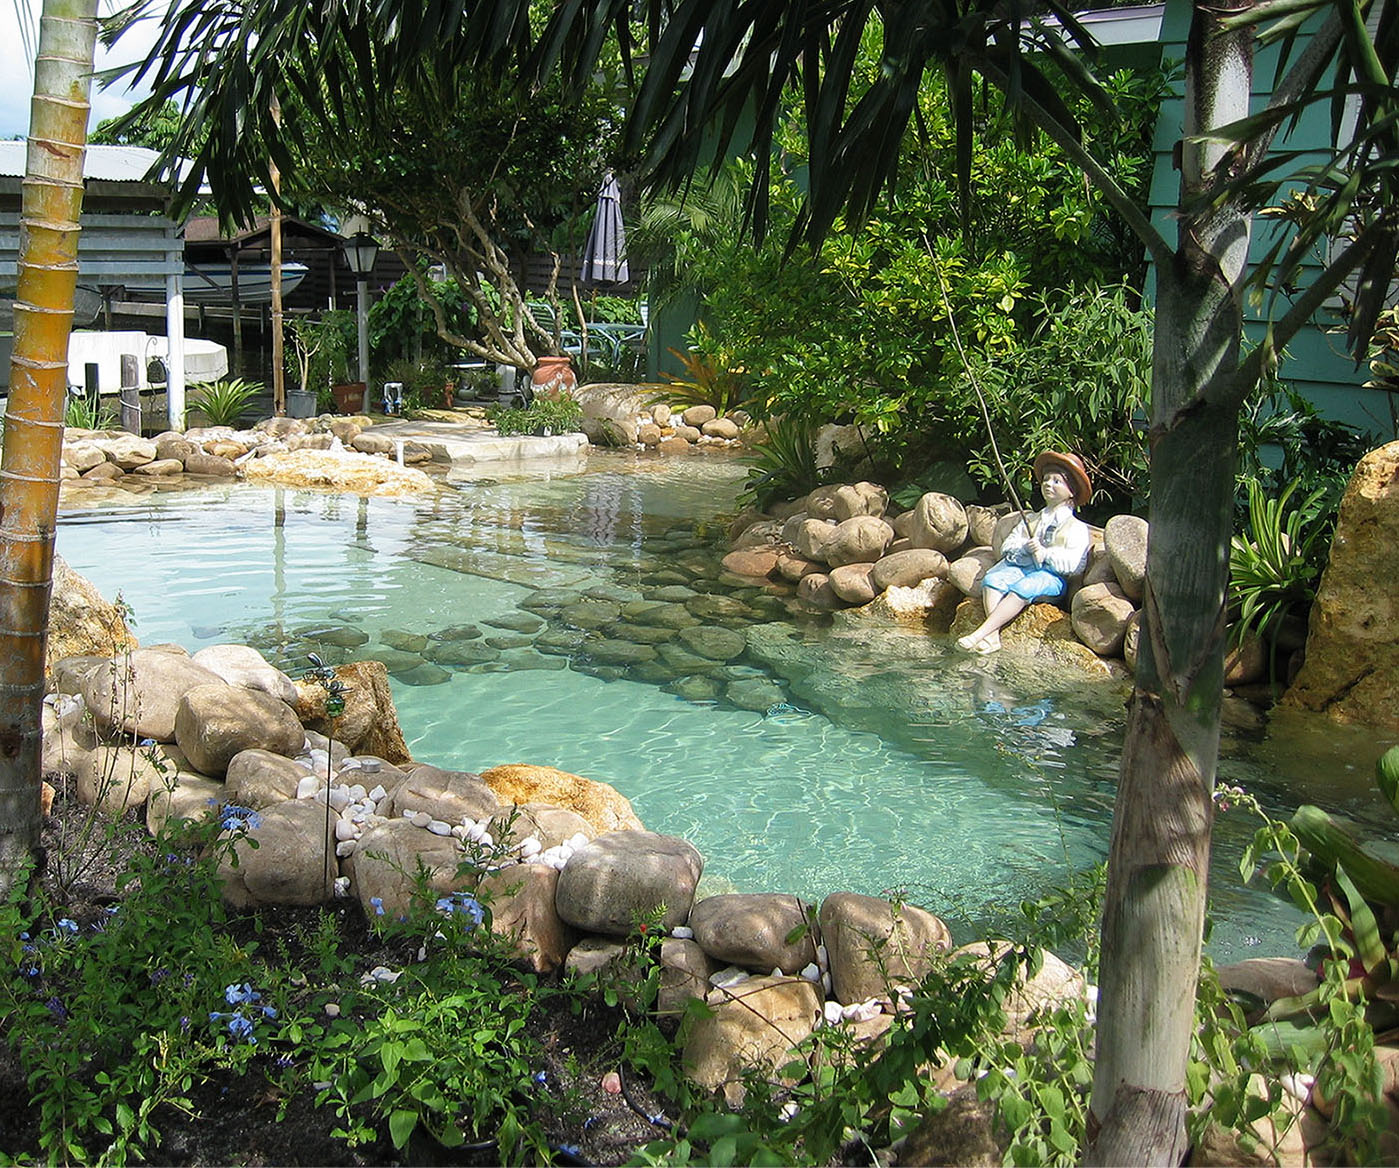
{"x":130,"y":393}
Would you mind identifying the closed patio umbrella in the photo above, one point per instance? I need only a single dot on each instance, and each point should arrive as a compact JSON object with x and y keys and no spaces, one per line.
{"x":605,"y":257}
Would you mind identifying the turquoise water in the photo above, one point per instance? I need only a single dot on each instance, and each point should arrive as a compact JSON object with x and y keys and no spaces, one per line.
{"x":875,"y":760}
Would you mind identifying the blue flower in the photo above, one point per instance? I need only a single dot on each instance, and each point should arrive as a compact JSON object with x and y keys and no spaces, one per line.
{"x":65,"y":925}
{"x":56,"y":1008}
{"x":237,"y":995}
{"x":269,"y":1011}
{"x":377,"y":902}
{"x":463,"y":903}
{"x":241,"y":1028}
{"x":540,"y":1077}
{"x":235,"y":818}
{"x":158,"y":975}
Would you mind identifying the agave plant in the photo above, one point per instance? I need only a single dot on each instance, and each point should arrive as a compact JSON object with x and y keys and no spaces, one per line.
{"x":223,"y":403}
{"x":1274,"y":568}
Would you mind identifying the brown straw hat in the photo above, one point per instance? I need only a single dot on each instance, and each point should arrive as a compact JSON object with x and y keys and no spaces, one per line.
{"x":1073,"y":468}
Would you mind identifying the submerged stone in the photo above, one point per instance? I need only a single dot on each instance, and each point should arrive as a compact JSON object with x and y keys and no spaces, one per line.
{"x":516,"y":622}
{"x":424,"y":674}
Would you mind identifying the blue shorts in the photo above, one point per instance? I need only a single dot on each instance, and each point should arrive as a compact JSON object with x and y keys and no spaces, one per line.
{"x":1029,"y":584}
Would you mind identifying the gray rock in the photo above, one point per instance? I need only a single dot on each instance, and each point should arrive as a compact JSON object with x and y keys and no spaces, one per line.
{"x":642,"y":634}
{"x":796,"y":568}
{"x":404,"y":642}
{"x":696,"y":688}
{"x":1100,"y":613}
{"x":854,"y":583}
{"x":1004,"y":526}
{"x":610,"y":652}
{"x":1125,"y":539}
{"x":525,"y":916}
{"x":815,"y":589}
{"x":138,"y":693}
{"x":445,"y":795}
{"x":171,"y":445}
{"x":699,"y":415}
{"x":860,"y":540}
{"x":821,"y":503}
{"x":724,"y":428}
{"x":560,"y":641}
{"x":874,"y":945}
{"x":183,"y":796}
{"x":245,"y":666}
{"x":672,"y":594}
{"x":386,"y":862}
{"x":811,"y":537}
{"x":425,"y":674}
{"x":855,"y":499}
{"x":258,"y":778}
{"x":939,"y":522}
{"x":755,"y":1025}
{"x":753,"y":931}
{"x":967,"y":571}
{"x":509,"y":641}
{"x":367,"y":443}
{"x":904,"y":569}
{"x":981,"y":524}
{"x":212,"y":465}
{"x":515,"y":622}
{"x":115,"y":779}
{"x":715,"y":643}
{"x":293,"y":863}
{"x":763,"y":533}
{"x":591,"y":614}
{"x":720,"y":608}
{"x":128,"y":451}
{"x":756,"y":694}
{"x":460,"y":653}
{"x":215,"y":722}
{"x":623,"y":876}
{"x":456,"y":633}
{"x":335,"y":633}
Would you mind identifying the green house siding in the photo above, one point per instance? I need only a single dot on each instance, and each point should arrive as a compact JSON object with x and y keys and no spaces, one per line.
{"x":1315,"y":362}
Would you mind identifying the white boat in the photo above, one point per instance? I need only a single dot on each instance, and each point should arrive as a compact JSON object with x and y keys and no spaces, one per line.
{"x":213,"y":283}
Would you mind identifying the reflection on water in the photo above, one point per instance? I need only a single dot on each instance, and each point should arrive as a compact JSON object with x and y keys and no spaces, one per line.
{"x":531,"y":620}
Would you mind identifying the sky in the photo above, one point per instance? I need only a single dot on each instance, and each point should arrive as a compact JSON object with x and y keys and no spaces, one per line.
{"x":19,"y":35}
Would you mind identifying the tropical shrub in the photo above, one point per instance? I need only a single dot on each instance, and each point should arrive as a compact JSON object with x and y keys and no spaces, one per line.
{"x":711,"y":377}
{"x":784,"y":462}
{"x":223,"y":403}
{"x":1275,"y":565}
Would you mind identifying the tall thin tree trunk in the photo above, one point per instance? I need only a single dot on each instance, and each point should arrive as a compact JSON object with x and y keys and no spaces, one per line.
{"x":1158,"y":862}
{"x":279,"y":373}
{"x":48,"y":274}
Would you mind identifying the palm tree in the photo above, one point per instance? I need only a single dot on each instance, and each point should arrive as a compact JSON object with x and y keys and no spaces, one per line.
{"x":48,"y":273}
{"x":723,"y":66}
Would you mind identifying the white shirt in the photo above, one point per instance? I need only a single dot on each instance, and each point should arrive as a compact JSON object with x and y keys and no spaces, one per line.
{"x":1065,"y":549}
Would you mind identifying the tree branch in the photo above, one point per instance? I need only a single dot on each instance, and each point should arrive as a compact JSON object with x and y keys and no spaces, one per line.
{"x":1298,"y":81}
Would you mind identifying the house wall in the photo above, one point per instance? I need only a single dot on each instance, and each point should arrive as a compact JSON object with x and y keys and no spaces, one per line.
{"x":1315,"y":363}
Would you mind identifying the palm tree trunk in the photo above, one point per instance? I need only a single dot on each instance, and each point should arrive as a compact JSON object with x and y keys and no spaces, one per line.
{"x":48,"y":273}
{"x":1158,"y":861}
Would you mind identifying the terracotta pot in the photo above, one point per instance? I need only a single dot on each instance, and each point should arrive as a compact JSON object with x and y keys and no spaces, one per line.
{"x":349,"y":397}
{"x":553,"y":377}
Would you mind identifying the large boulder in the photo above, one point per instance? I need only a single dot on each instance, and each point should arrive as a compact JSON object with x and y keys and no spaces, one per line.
{"x":343,"y":471}
{"x":852,"y":499}
{"x":860,"y":540}
{"x":908,"y":568}
{"x":1100,"y":614}
{"x":259,"y":778}
{"x":138,"y":693}
{"x":293,"y":861}
{"x":1124,"y":539}
{"x":1351,"y":671}
{"x":603,"y":806}
{"x":81,"y":622}
{"x":756,"y":1024}
{"x":450,"y":796}
{"x":967,"y":571}
{"x":810,"y":537}
{"x":390,"y":858}
{"x":874,"y":946}
{"x":755,"y":561}
{"x":763,"y":932}
{"x":245,"y":666}
{"x":369,"y":722}
{"x":854,"y":583}
{"x":115,"y":779}
{"x":939,"y":522}
{"x":522,"y":900}
{"x":620,"y":878}
{"x":215,"y":722}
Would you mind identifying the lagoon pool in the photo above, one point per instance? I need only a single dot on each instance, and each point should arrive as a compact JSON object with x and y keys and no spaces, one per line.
{"x":525,"y":621}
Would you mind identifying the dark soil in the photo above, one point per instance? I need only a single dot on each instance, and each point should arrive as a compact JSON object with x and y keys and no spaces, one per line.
{"x":249,"y":1120}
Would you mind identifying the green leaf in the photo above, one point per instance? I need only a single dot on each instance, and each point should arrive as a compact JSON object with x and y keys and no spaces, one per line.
{"x":401,"y":1125}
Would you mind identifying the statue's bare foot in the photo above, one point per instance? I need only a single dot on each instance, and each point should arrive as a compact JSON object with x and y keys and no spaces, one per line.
{"x":990,"y":643}
{"x":968,"y":643}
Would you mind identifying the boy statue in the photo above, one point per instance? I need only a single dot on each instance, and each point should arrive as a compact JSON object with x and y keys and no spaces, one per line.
{"x":1040,"y":554}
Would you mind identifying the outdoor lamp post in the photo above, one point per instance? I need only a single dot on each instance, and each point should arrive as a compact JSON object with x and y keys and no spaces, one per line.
{"x":361,"y":250}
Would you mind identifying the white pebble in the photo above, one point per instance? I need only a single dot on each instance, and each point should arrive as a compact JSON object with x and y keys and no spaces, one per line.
{"x":382,"y":974}
{"x":530,"y":847}
{"x":378,"y":794}
{"x":487,"y":841}
{"x":833,"y":1013}
{"x":342,"y":886}
{"x":789,"y":1111}
{"x":459,"y":832}
{"x":346,"y":848}
{"x":439,"y":827}
{"x":345,"y":830}
{"x":358,"y":793}
{"x":861,"y":1011}
{"x":340,"y":798}
{"x":332,"y":1010}
{"x":826,"y":982}
{"x":307,"y":787}
{"x":811,"y":972}
{"x":577,"y":840}
{"x":682,"y":932}
{"x":822,"y":957}
{"x":730,"y":975}
{"x":474,"y":832}
{"x":1299,"y":1086}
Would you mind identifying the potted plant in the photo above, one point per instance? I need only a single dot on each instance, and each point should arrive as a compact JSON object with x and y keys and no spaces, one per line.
{"x":329,"y":344}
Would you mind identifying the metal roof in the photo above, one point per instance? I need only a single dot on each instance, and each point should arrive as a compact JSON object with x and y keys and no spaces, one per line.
{"x":104,"y":163}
